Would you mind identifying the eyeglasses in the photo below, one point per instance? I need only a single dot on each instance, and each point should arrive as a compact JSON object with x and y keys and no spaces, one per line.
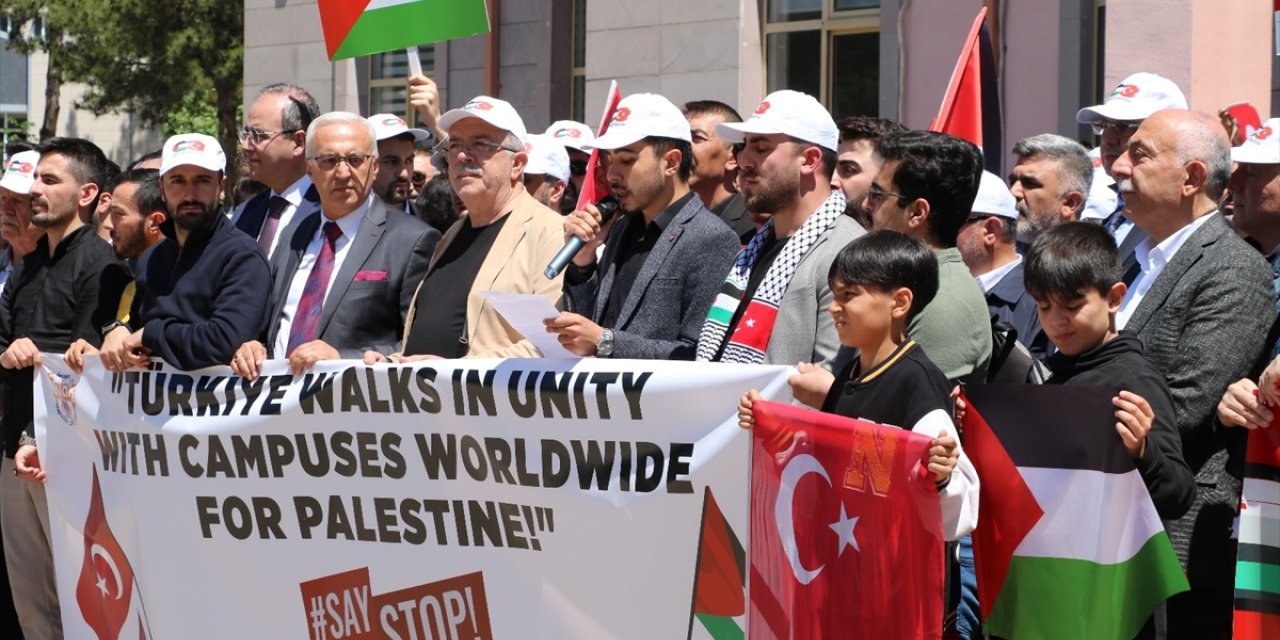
{"x":475,"y":148}
{"x":257,"y":136}
{"x":1100,"y":128}
{"x":876,"y":195}
{"x":329,"y":161}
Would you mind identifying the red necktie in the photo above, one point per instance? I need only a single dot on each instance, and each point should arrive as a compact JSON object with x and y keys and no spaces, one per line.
{"x":307,"y":317}
{"x":269,"y":226}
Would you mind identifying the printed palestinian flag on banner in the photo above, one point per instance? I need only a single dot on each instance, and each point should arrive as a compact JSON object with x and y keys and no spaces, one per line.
{"x":1068,"y":543}
{"x":720,"y":579}
{"x":365,"y":27}
{"x":1257,"y":614}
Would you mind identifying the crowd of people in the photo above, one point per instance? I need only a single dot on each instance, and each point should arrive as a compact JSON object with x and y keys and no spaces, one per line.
{"x":883,"y":263}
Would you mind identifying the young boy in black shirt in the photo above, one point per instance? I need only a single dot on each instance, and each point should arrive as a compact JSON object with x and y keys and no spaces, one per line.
{"x":880,"y":281}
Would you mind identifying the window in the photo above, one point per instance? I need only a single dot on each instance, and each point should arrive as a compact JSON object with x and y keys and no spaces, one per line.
{"x":829,"y":49}
{"x":387,"y":74}
{"x":578,"y":106}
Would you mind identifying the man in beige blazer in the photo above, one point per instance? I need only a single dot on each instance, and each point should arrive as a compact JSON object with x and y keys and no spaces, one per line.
{"x":503,"y":243}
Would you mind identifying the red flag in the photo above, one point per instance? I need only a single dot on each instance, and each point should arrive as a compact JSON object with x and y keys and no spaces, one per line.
{"x":971,"y":106}
{"x":595,"y":187}
{"x":846,"y":529}
{"x":105,"y":587}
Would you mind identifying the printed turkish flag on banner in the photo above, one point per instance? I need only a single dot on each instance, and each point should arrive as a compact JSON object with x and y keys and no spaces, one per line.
{"x":105,"y":587}
{"x":846,"y":529}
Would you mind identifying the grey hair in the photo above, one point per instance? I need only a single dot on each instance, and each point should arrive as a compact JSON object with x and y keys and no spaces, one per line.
{"x":292,"y":116}
{"x":1202,"y":139}
{"x":336,"y":117}
{"x":1074,"y":166}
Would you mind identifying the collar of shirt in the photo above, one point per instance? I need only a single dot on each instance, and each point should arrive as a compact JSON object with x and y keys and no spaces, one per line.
{"x":1152,"y":259}
{"x":668,"y":214}
{"x":990,"y":279}
{"x":294,"y":192}
{"x":350,"y":223}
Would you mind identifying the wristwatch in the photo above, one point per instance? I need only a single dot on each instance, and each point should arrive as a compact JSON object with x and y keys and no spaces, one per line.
{"x":110,"y":326}
{"x":604,"y":347}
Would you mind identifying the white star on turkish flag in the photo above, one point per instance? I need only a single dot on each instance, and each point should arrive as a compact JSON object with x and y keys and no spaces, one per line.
{"x":844,"y":529}
{"x":751,"y":323}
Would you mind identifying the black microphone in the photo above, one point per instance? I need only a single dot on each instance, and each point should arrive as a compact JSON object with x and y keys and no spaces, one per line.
{"x":607,"y":208}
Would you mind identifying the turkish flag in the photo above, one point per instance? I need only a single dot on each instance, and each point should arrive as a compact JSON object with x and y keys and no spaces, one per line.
{"x":105,"y":587}
{"x":846,"y":529}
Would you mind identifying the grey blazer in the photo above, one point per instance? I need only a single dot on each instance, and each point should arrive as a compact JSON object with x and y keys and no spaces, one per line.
{"x":1202,"y":324}
{"x":664,"y":311}
{"x":804,"y":330}
{"x":365,"y":309}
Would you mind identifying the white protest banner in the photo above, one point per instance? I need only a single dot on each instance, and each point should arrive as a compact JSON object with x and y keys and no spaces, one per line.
{"x":442,"y":500}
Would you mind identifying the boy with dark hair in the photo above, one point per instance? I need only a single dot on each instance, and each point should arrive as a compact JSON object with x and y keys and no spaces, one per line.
{"x":1073,"y":272}
{"x":881,"y":280}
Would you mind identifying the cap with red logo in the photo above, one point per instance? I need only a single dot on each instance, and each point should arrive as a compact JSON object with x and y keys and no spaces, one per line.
{"x":546,"y":157}
{"x":639,"y":116}
{"x":194,"y":149}
{"x":498,"y":113}
{"x":389,"y":125}
{"x":1262,"y":146}
{"x":788,"y":112}
{"x":571,"y":134}
{"x":21,"y":173}
{"x":1135,"y":98}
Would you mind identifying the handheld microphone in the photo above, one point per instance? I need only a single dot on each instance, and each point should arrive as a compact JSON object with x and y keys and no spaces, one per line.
{"x":607,"y":207}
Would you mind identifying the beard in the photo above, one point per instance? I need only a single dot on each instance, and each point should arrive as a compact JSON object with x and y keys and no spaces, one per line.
{"x":772,"y":196}
{"x":51,"y":218}
{"x":191,"y":220}
{"x":395,"y":193}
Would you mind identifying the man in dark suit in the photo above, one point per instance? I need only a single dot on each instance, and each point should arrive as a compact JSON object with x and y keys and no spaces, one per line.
{"x":1201,"y":303}
{"x":663,"y":262}
{"x":273,"y":142}
{"x":348,"y":272}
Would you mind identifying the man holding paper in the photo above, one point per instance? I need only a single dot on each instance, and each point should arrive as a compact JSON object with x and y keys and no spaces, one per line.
{"x":650,"y":292}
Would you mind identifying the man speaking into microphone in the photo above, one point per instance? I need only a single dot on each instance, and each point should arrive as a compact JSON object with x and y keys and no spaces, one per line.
{"x":648,"y":294}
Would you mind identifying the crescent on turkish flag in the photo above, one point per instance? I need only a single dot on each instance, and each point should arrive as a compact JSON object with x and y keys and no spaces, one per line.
{"x":105,"y":588}
{"x":845,"y":529}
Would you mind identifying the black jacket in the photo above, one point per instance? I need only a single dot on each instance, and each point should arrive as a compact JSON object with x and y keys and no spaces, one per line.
{"x":1121,"y":364}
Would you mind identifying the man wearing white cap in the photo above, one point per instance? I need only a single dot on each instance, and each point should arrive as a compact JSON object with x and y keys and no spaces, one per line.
{"x":988,"y":244}
{"x":203,"y":289}
{"x":51,"y":300}
{"x":1255,"y":188}
{"x":1050,"y":181}
{"x":1114,"y":121}
{"x":648,"y":295}
{"x":394,"y":180}
{"x":503,"y":244}
{"x":772,"y":307}
{"x":574,"y":136}
{"x":15,"y":212}
{"x":548,"y":170}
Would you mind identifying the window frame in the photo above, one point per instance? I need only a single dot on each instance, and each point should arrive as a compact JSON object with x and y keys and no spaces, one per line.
{"x":832,"y":23}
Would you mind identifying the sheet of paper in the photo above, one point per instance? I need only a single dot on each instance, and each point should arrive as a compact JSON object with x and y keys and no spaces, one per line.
{"x":525,"y":313}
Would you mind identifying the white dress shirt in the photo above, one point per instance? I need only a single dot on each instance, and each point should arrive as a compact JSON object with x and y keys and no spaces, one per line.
{"x":350,"y":226}
{"x":294,"y":195}
{"x":1151,"y":261}
{"x":990,"y":279}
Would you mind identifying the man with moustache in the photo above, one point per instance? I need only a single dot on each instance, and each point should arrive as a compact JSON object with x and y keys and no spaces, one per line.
{"x":50,"y":301}
{"x":1050,"y":182}
{"x":394,"y":183}
{"x":772,"y":307}
{"x":15,"y":211}
{"x":203,"y":288}
{"x":648,"y":295}
{"x":349,"y":271}
{"x":858,"y":161}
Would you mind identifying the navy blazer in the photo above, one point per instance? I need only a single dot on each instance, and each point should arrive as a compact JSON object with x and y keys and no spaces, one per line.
{"x":1010,"y":303}
{"x":254,"y":215}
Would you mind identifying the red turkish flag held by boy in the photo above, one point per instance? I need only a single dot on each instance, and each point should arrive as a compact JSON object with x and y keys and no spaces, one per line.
{"x":846,"y":529}
{"x":105,"y":588}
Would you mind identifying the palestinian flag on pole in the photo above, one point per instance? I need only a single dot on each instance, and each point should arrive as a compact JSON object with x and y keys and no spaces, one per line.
{"x":1068,"y":543}
{"x":971,"y":105}
{"x":720,"y":579}
{"x":1258,"y":554}
{"x":365,"y":27}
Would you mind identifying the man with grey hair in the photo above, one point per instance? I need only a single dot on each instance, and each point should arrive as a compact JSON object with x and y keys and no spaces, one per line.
{"x":1201,"y":302}
{"x":347,"y":272}
{"x":1049,"y":181}
{"x":273,"y":138}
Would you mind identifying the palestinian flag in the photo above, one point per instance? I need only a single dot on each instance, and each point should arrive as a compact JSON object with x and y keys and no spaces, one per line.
{"x":719,"y":587}
{"x":365,"y":27}
{"x":1258,"y":554}
{"x":1068,"y":543}
{"x":971,"y":105}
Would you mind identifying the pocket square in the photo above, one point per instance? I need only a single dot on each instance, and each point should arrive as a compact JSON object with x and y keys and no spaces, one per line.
{"x":371,"y":276}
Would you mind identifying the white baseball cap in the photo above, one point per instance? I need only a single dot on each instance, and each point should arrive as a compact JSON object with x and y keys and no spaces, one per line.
{"x":194,"y":149}
{"x":1261,"y":147}
{"x":796,"y":114}
{"x":21,"y":173}
{"x":639,"y":116}
{"x":390,"y":125}
{"x":546,"y":157}
{"x":498,"y":113}
{"x":1102,"y":199}
{"x":1135,"y":98}
{"x":994,"y":198}
{"x":571,"y":134}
